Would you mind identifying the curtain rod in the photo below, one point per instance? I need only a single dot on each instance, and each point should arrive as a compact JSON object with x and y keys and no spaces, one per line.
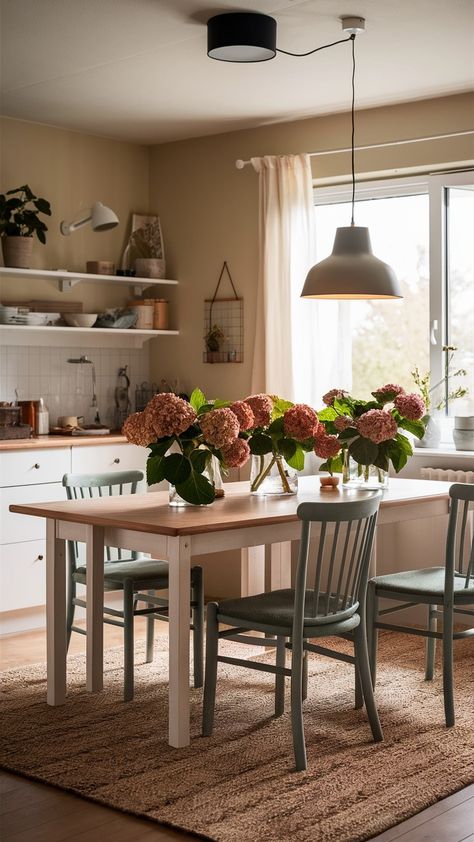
{"x":240,"y":164}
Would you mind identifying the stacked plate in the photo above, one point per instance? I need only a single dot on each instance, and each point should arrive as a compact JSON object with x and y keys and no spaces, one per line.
{"x":23,"y":316}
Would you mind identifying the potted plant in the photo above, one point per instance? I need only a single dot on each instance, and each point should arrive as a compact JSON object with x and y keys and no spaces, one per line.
{"x":19,"y":222}
{"x":146,"y":250}
{"x":432,"y":435}
{"x":214,"y":339}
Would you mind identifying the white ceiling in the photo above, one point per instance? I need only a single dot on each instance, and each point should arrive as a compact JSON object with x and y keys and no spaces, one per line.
{"x":138,"y":69}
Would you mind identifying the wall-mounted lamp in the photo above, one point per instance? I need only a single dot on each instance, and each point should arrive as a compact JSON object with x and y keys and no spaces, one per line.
{"x":99,"y":216}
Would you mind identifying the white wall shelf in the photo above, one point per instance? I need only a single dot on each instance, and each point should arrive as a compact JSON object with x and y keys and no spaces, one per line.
{"x":67,"y":280}
{"x":94,"y":337}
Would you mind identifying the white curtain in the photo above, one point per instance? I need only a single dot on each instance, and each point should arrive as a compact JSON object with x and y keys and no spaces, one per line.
{"x":302,"y":347}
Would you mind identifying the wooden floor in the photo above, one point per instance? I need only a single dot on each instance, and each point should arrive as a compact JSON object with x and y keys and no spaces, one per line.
{"x":34,"y":812}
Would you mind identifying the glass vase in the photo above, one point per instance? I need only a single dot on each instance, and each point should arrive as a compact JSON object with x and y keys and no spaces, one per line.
{"x":212,"y":473}
{"x":271,"y":475}
{"x":362,"y":476}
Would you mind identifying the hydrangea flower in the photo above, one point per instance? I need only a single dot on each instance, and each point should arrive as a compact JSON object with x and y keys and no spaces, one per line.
{"x":342,"y":422}
{"x":331,"y":396}
{"x":377,"y":425}
{"x":244,"y":414}
{"x":388,"y":392}
{"x":168,"y":415}
{"x":261,"y":406}
{"x":220,"y":427}
{"x":236,"y":454}
{"x":137,"y":431}
{"x":327,"y":446}
{"x":411,"y":406}
{"x":300,"y":422}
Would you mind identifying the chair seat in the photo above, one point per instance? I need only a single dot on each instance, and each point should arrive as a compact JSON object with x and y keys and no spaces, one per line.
{"x":141,"y":571}
{"x":424,"y":582}
{"x":276,"y":609}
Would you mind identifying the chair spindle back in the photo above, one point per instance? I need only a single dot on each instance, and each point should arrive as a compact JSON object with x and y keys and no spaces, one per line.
{"x":459,"y":556}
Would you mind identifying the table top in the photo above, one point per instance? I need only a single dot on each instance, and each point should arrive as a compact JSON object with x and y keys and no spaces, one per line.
{"x":238,"y":509}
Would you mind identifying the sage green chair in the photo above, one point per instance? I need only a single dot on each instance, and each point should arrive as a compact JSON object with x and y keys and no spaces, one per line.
{"x":334,"y":605}
{"x":444,"y":590}
{"x":126,"y":571}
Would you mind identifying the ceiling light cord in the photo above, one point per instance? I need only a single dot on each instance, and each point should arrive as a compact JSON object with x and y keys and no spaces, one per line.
{"x":352,"y":38}
{"x":316,"y":50}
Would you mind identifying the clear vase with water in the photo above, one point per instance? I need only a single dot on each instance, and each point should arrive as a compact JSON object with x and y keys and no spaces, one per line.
{"x":271,"y":475}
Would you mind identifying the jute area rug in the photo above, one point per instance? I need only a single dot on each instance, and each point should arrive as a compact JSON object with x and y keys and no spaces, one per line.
{"x":239,"y":785}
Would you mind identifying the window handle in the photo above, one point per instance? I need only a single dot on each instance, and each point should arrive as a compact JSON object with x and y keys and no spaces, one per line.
{"x":434,"y":328}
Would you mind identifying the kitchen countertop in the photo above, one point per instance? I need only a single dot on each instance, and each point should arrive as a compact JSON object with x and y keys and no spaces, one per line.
{"x":40,"y":442}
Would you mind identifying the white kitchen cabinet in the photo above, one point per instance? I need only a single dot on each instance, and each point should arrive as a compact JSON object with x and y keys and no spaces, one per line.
{"x":34,"y":476}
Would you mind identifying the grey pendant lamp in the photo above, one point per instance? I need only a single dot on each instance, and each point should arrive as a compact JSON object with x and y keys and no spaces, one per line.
{"x":351,"y":271}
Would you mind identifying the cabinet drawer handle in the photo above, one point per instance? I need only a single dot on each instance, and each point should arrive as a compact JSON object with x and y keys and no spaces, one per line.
{"x":36,"y":465}
{"x":117,"y":460}
{"x":39,"y":558}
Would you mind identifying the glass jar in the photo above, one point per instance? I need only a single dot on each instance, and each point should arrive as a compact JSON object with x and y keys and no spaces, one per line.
{"x":212,"y":473}
{"x":362,"y":476}
{"x":270,"y":474}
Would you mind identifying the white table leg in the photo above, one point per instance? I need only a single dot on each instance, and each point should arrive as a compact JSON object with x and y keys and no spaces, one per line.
{"x":179,"y":557}
{"x":95,"y":609}
{"x":55,"y":615}
{"x":280,"y":566}
{"x":252,"y":570}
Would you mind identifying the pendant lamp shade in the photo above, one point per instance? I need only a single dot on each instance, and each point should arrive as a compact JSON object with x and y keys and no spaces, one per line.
{"x":99,"y":217}
{"x":241,"y":37}
{"x":351,"y":271}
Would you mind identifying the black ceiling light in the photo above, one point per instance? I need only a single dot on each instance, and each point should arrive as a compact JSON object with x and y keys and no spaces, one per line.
{"x":241,"y":37}
{"x":352,"y":270}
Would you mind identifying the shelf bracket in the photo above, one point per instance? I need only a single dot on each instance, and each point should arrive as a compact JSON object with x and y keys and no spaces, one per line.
{"x":66,"y":285}
{"x":137,"y":289}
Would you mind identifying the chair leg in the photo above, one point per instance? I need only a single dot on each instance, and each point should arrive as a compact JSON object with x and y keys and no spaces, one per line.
{"x":358,"y":695}
{"x":210,"y":678}
{"x":128,"y":640}
{"x":70,"y":610}
{"x":431,"y":643}
{"x":448,"y":622}
{"x":198,"y":625}
{"x":280,"y":679}
{"x":304,"y":688}
{"x":150,"y":635}
{"x":362,"y":659}
{"x":372,"y":631}
{"x":297,"y":704}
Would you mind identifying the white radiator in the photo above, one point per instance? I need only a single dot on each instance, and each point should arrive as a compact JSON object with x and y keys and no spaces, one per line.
{"x":447,"y":475}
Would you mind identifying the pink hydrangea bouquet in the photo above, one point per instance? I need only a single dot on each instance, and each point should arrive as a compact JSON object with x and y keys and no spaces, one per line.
{"x":197,"y":430}
{"x":369,"y":431}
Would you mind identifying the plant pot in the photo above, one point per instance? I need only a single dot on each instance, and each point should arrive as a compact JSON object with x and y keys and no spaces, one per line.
{"x":150,"y":267}
{"x":17,"y":252}
{"x":362,"y":476}
{"x":271,"y":475}
{"x":432,"y":435}
{"x":463,"y":433}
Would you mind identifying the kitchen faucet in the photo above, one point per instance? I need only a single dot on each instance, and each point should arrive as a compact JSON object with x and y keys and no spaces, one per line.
{"x":81,"y":361}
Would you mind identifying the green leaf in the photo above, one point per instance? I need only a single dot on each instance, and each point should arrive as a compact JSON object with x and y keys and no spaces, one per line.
{"x":154,"y":470}
{"x":205,"y":407}
{"x":276,"y":427}
{"x":404,"y":443}
{"x":297,"y":460}
{"x":191,"y":433}
{"x":363,"y":451}
{"x":43,"y":206}
{"x":177,"y":468}
{"x":219,"y":404}
{"x":333,"y":465}
{"x":350,"y":433}
{"x":40,"y":235}
{"x":280,"y":406}
{"x":343,"y":406}
{"x":197,"y":399}
{"x":287,"y":448}
{"x":200,"y":459}
{"x":360,"y":407}
{"x":196,"y":489}
{"x":161,"y":447}
{"x":328,"y":414}
{"x":260,"y":444}
{"x":417,"y":428}
{"x":381,"y":460}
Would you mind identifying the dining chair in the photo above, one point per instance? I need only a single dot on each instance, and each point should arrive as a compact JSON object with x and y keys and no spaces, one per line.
{"x":291,"y":618}
{"x":128,"y":571}
{"x":445,"y":590}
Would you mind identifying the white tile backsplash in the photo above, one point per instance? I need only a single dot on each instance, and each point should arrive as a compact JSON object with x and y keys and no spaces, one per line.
{"x":67,"y":388}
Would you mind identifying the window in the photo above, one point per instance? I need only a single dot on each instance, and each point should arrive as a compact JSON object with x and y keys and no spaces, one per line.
{"x":404,"y":217}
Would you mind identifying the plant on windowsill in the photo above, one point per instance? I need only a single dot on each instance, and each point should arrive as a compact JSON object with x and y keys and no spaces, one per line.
{"x":19,"y":222}
{"x":432,"y":430}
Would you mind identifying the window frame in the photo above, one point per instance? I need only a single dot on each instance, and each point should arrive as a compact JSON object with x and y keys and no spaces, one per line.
{"x":436,"y":187}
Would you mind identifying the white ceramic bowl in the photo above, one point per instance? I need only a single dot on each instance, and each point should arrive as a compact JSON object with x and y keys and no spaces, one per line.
{"x":80,"y":319}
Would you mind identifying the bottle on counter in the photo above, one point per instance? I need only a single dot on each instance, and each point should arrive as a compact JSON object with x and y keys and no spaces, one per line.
{"x":42,"y":418}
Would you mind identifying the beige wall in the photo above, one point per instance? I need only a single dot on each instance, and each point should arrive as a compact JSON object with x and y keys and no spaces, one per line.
{"x":72,"y":171}
{"x":209,"y":210}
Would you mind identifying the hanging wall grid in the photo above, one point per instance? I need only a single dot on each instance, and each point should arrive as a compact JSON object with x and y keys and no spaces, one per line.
{"x":224,"y":325}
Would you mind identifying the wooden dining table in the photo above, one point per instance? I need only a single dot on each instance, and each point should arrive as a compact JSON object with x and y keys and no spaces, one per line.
{"x":146,"y":523}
